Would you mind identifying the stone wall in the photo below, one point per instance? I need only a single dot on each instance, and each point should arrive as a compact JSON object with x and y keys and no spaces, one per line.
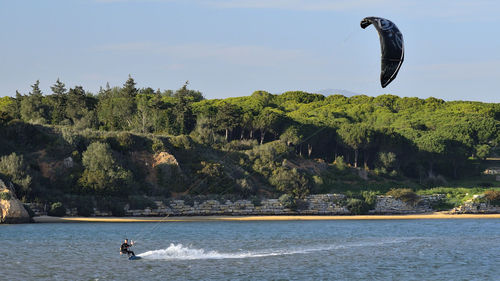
{"x":390,"y":205}
{"x":317,"y":204}
{"x":474,"y":207}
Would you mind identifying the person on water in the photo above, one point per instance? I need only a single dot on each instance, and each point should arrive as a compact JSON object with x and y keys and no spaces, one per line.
{"x":124,"y":249}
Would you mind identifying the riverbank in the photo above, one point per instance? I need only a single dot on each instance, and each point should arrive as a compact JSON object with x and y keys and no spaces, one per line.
{"x":437,"y":215}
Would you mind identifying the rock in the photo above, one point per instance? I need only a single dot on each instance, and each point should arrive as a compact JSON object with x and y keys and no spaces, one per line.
{"x":11,"y":209}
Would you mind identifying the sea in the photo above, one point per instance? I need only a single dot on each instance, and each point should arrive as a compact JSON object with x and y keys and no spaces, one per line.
{"x":434,"y":249}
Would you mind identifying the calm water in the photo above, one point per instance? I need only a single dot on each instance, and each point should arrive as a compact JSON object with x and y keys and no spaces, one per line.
{"x":313,"y":250}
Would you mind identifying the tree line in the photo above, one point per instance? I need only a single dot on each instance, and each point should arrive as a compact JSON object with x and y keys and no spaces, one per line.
{"x":420,"y":139}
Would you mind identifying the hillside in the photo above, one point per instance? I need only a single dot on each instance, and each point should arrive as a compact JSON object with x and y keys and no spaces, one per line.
{"x":126,"y":143}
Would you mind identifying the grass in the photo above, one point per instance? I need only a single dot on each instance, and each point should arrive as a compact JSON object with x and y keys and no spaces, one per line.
{"x":455,"y":196}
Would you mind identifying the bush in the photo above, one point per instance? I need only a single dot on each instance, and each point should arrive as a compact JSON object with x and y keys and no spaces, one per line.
{"x":493,"y":196}
{"x":57,"y":210}
{"x":370,"y":198}
{"x":357,"y":206}
{"x":340,"y":163}
{"x":158,"y":145}
{"x":239,"y":145}
{"x":125,"y":141}
{"x":16,"y":170}
{"x":443,"y":205}
{"x":5,"y":195}
{"x":181,"y":142}
{"x":288,"y":201}
{"x":404,"y":194}
{"x":290,"y":181}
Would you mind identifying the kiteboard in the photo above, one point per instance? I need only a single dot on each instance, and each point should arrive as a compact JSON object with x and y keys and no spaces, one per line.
{"x":133,"y":258}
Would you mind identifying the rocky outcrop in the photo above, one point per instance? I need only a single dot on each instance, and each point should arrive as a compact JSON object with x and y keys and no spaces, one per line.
{"x":11,"y":209}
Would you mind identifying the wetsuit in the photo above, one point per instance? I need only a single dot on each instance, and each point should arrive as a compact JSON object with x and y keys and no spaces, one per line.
{"x":124,"y":249}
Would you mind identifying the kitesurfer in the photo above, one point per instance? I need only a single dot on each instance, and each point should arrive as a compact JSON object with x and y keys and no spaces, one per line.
{"x":124,"y":249}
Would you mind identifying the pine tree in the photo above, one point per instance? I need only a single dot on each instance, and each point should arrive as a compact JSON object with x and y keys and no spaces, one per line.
{"x":58,"y":88}
{"x":36,"y":89}
{"x":129,"y":89}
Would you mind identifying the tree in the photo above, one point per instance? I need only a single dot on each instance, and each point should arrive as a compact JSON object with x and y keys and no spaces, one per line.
{"x":58,"y":102}
{"x":32,"y":107}
{"x":184,"y":117}
{"x":102,"y":174}
{"x":228,"y":117}
{"x":290,"y":181}
{"x":431,"y":146}
{"x":268,"y":120}
{"x":15,"y":169}
{"x":144,"y":117}
{"x":58,"y":88}
{"x":356,"y":136}
{"x":115,"y":110}
{"x":129,"y":90}
{"x":189,"y":95}
{"x":387,"y":159}
{"x":291,"y":136}
{"x":482,"y":151}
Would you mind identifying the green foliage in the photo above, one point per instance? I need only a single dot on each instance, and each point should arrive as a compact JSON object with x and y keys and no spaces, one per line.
{"x":482,"y":151}
{"x":404,"y":194}
{"x":181,"y":142}
{"x":102,"y":174}
{"x":291,"y":182}
{"x":387,"y":159}
{"x":399,"y":141}
{"x":291,"y":136}
{"x":57,"y":210}
{"x":288,"y":201}
{"x":5,"y":195}
{"x":15,"y":169}
{"x":340,"y":163}
{"x":370,"y":198}
{"x":357,"y":206}
{"x":493,"y":196}
{"x":228,"y":117}
{"x":158,"y":145}
{"x":32,"y":108}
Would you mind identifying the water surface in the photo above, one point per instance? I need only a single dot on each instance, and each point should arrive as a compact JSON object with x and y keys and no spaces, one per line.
{"x":264,"y":250}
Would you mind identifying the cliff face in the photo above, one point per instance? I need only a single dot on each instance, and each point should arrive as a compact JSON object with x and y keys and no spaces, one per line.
{"x":11,"y":209}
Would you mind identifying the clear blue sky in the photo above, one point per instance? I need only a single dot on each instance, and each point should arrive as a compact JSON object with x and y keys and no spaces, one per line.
{"x":231,"y":48}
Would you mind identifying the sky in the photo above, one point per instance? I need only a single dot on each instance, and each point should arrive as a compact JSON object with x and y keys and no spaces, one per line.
{"x":228,"y":48}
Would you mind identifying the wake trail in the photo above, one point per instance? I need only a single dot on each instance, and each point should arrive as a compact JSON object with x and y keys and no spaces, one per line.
{"x":181,"y":252}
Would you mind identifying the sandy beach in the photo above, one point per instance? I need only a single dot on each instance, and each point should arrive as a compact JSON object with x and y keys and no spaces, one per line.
{"x":437,"y":215}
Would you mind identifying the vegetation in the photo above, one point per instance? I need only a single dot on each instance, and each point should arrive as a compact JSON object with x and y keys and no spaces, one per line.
{"x":404,"y":194}
{"x":57,"y":209}
{"x":493,"y":197}
{"x":5,"y":195}
{"x":124,"y":143}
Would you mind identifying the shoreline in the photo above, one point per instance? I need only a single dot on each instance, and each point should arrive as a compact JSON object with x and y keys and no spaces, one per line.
{"x":437,"y":215}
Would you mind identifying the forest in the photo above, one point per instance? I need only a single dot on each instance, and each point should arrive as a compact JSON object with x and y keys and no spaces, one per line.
{"x":74,"y":146}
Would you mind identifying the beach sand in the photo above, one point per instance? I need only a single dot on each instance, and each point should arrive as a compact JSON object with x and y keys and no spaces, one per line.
{"x":437,"y":215}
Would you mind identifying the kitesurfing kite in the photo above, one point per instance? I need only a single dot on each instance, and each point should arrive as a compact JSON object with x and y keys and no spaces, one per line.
{"x":392,"y":47}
